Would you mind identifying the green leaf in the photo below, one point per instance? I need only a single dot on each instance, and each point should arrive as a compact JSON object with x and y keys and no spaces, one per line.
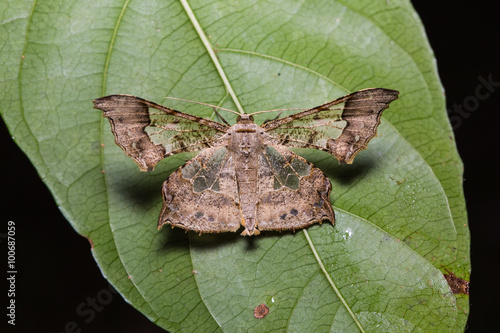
{"x":401,"y":219}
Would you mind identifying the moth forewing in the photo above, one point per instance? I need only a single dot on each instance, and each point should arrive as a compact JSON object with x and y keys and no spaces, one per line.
{"x":356,"y":124}
{"x":148,"y":132}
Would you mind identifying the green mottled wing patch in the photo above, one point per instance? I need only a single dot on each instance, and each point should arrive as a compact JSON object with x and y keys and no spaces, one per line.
{"x":311,"y":130}
{"x":178,"y":135}
{"x":287,"y":168}
{"x":149,"y":132}
{"x":205,"y":176}
{"x":342,"y":127}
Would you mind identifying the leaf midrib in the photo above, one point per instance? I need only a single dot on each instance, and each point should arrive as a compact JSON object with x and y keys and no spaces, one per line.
{"x":208,"y":46}
{"x":330,"y":281}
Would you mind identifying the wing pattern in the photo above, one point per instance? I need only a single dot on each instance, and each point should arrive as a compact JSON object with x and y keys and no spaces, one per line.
{"x":149,"y":132}
{"x":202,"y":195}
{"x":293,"y":194}
{"x":245,"y":174}
{"x":342,"y":127}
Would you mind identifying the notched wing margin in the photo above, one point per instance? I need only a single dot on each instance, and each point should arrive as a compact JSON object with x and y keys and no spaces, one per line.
{"x":132,"y":117}
{"x":361,"y":112}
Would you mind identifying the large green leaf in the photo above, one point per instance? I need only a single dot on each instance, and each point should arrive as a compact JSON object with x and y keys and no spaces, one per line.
{"x":401,"y":220}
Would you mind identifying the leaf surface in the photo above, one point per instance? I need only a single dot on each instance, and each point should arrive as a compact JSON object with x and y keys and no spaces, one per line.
{"x":400,"y":210}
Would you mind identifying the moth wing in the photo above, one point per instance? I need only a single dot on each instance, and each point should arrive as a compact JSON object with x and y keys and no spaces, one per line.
{"x":202,"y":194}
{"x":149,"y":132}
{"x":293,"y":194}
{"x":342,"y":127}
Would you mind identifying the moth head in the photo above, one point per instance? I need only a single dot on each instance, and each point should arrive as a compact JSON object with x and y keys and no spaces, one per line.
{"x":245,"y":118}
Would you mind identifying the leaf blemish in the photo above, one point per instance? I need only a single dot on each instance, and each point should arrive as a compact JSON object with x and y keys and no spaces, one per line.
{"x":260,"y":311}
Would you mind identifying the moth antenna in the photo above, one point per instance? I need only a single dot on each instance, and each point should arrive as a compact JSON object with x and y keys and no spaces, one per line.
{"x":201,"y":103}
{"x":269,"y":120}
{"x":291,"y":109}
{"x":280,"y":110}
{"x":220,"y":117}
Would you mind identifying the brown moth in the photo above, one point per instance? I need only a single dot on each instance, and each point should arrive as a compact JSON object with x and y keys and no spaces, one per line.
{"x":245,"y":175}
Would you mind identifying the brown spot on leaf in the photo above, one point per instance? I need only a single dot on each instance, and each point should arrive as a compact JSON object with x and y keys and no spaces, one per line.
{"x":260,"y":311}
{"x":457,"y":285}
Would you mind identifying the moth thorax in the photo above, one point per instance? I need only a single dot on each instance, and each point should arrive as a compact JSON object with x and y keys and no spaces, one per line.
{"x":245,"y":139}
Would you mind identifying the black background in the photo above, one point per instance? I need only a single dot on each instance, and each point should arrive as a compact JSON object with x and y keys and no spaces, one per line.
{"x":57,"y":271}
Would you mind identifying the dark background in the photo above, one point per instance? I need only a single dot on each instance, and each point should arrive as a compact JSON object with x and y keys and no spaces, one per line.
{"x":52,"y":283}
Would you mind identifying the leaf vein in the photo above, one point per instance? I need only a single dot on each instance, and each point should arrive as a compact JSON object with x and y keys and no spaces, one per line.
{"x":332,"y":284}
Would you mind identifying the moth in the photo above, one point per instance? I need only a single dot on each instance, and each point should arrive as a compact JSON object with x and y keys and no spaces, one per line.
{"x":245,"y":175}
